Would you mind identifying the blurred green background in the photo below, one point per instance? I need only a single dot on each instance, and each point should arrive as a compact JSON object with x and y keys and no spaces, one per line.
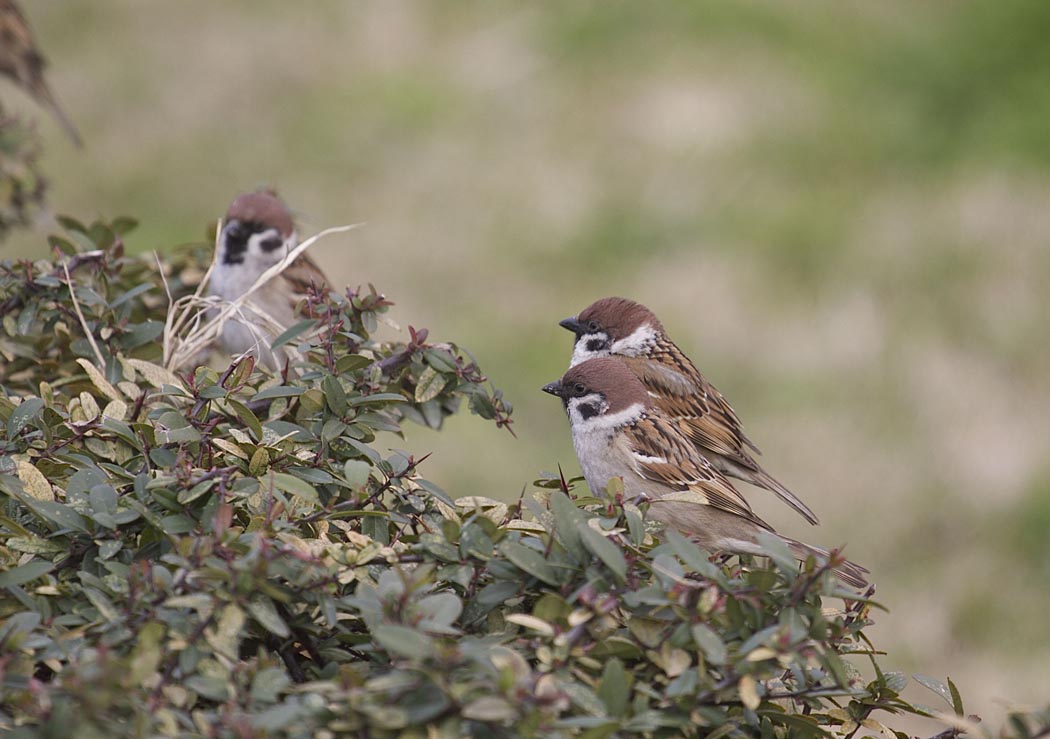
{"x":841,"y":211}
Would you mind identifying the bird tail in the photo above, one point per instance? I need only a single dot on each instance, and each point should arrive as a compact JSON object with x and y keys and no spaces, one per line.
{"x":763,"y":479}
{"x":47,"y":98}
{"x":849,"y":572}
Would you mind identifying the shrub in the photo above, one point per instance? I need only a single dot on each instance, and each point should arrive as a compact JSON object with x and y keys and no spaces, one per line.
{"x":232,"y":552}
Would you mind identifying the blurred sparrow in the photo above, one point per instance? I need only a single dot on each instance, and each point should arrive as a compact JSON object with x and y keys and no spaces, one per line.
{"x":22,"y":62}
{"x":618,"y":432}
{"x":630,"y":331}
{"x":257,"y":233}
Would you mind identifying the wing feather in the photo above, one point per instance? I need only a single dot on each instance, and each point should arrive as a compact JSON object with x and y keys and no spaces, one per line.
{"x":662,"y":454}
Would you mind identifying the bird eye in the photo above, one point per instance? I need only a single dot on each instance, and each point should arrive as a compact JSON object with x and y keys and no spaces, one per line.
{"x":234,"y":230}
{"x":579,"y":389}
{"x":593,"y":327}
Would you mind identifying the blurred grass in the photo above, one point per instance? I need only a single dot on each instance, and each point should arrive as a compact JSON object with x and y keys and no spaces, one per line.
{"x":839,"y":209}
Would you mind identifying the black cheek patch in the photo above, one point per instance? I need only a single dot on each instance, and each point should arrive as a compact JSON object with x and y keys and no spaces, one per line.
{"x":587,"y":410}
{"x":271,"y":244}
{"x":595,"y":345}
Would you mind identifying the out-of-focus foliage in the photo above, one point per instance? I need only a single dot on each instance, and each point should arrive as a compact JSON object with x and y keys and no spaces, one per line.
{"x":233,"y":553}
{"x":22,"y":186}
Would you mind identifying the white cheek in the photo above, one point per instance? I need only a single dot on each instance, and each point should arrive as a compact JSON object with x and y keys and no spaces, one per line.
{"x":636,"y":344}
{"x":580,"y":352}
{"x":258,"y":255}
{"x":604,"y":422}
{"x":574,"y":406}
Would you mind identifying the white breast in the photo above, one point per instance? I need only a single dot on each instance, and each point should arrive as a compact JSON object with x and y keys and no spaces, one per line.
{"x":248,"y":330}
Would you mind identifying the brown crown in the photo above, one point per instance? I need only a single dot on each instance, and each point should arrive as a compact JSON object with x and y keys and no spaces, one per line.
{"x":262,"y":206}
{"x":610,"y":377}
{"x":619,"y":317}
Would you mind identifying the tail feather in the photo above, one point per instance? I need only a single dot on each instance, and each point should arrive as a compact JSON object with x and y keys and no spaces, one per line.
{"x":849,"y":572}
{"x":47,"y":98}
{"x":763,"y":479}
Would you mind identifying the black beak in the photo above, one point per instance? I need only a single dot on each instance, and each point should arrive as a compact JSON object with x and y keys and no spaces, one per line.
{"x":555,"y":388}
{"x":572,"y":325}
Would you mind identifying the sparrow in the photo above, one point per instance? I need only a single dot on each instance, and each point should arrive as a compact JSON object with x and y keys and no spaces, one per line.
{"x":619,"y":431}
{"x":22,"y":62}
{"x":257,"y":232}
{"x":628,"y":330}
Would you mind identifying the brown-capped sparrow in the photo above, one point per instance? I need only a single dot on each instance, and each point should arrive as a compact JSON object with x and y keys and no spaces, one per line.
{"x":257,"y":232}
{"x":619,"y":431}
{"x":628,"y":330}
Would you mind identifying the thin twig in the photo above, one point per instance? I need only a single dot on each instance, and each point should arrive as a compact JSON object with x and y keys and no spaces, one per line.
{"x":83,"y":321}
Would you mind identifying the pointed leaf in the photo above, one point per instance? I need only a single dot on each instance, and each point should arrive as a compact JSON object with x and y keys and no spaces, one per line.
{"x":604,"y":550}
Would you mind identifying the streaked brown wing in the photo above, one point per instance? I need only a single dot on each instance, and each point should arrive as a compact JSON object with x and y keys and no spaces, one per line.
{"x":302,"y":273}
{"x":700,"y":410}
{"x":664,"y":455}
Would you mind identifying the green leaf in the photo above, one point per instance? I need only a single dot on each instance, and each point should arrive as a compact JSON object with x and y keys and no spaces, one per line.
{"x":268,"y":684}
{"x":356,"y":472}
{"x":292,"y":333}
{"x":146,"y":656}
{"x":569,"y":521}
{"x":351,"y":362}
{"x":436,"y":491}
{"x":957,"y":702}
{"x":895,"y":681}
{"x":295,"y":486}
{"x":259,"y":462}
{"x":227,"y":634}
{"x":275,"y":719}
{"x":710,"y":643}
{"x":836,"y":667}
{"x":937,"y":687}
{"x":614,"y":688}
{"x":265,"y":613}
{"x":130,"y":294}
{"x":440,"y":360}
{"x":430,"y":384}
{"x":173,"y":428}
{"x":310,"y":474}
{"x":16,"y":627}
{"x":26,"y":573}
{"x":334,"y":395}
{"x":403,"y":641}
{"x":798,"y":724}
{"x":531,"y":562}
{"x":376,"y":398}
{"x":22,"y":415}
{"x":604,"y":550}
{"x":58,"y":513}
{"x":278,"y":391}
{"x":105,"y":606}
{"x":439,"y":612}
{"x":690,"y":554}
{"x":211,"y":687}
{"x":490,"y":708}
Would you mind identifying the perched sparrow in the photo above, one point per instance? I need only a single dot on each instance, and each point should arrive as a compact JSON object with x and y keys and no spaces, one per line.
{"x":630,"y":331}
{"x":257,"y":233}
{"x":618,"y":432}
{"x":22,"y":62}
